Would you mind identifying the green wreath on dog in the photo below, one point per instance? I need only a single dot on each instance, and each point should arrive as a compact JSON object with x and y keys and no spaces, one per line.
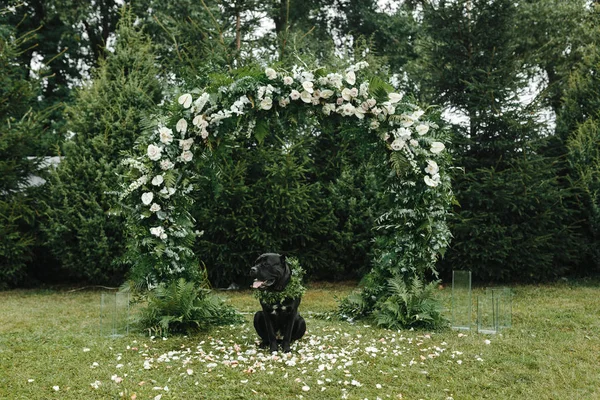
{"x":161,"y":172}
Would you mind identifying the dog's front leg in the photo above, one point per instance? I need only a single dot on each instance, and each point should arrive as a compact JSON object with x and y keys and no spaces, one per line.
{"x":287,"y":335}
{"x":271,"y":334}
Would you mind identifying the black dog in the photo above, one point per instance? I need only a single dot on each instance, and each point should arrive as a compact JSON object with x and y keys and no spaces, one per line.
{"x":279,"y":313}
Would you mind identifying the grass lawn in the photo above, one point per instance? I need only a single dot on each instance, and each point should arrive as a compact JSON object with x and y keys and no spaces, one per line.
{"x":50,"y":348}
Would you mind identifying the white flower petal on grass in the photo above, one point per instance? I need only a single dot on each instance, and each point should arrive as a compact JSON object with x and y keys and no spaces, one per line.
{"x":95,"y":384}
{"x":158,"y":397}
{"x":181,"y":126}
{"x":437,"y":147}
{"x":395,"y":97}
{"x":86,"y":349}
{"x":185,"y":100}
{"x":487,"y":341}
{"x":56,"y":388}
{"x":189,"y":371}
{"x":30,"y":380}
{"x":305,"y":388}
{"x":154,"y":152}
{"x":147,"y":198}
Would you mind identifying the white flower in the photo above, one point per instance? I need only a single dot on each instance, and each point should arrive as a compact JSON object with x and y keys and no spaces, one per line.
{"x":351,"y":77}
{"x":165,"y":134}
{"x":187,"y":156}
{"x":397,"y":144}
{"x":359,"y":113}
{"x":395,"y":97}
{"x":414,"y":143}
{"x":422,"y":129}
{"x":402,"y":133}
{"x":294,"y":95}
{"x":389,"y":109}
{"x":266,"y":103}
{"x":308,"y":86}
{"x":432,"y":167}
{"x":288,"y":80}
{"x":147,"y":198}
{"x":326,"y":93}
{"x":270,"y":73}
{"x":305,"y":96}
{"x":56,"y":388}
{"x":437,"y":147}
{"x":364,"y":89}
{"x":186,"y":144}
{"x":155,"y":207}
{"x":154,"y":152}
{"x":283,"y":102}
{"x":157,"y":180}
{"x":417,"y":114}
{"x":200,"y":122}
{"x":347,"y":109}
{"x":371,"y":102}
{"x":346,"y":94}
{"x":185,"y":100}
{"x":407,"y":120}
{"x":328,"y":108}
{"x":200,"y":102}
{"x":305,"y":388}
{"x":95,"y":384}
{"x":181,"y":126}
{"x":159,"y":232}
{"x":432,"y":181}
{"x":374,"y":124}
{"x":166,"y":165}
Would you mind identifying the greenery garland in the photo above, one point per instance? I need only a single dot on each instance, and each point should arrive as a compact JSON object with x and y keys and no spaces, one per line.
{"x":293,"y":290}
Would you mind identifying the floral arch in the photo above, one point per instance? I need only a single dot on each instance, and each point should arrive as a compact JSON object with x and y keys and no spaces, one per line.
{"x":160,"y":175}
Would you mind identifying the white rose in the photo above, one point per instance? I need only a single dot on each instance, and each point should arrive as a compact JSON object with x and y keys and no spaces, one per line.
{"x":157,"y":180}
{"x":351,"y":77}
{"x":185,"y":100}
{"x":147,"y":198}
{"x":288,"y":80}
{"x":422,"y":129}
{"x":354,"y":92}
{"x":327,"y":93}
{"x":432,"y":167}
{"x":186,"y":144}
{"x":305,"y":96}
{"x":371,"y":102}
{"x":395,"y":97}
{"x":295,"y":95}
{"x":437,"y":147}
{"x":283,"y":102}
{"x":308,"y":86}
{"x":165,"y":134}
{"x":154,"y":152}
{"x":159,"y":232}
{"x":166,"y":165}
{"x":348,"y":109}
{"x":270,"y":73}
{"x":181,"y":126}
{"x":414,"y":143}
{"x":359,"y":113}
{"x":266,"y":103}
{"x":187,"y":156}
{"x":155,"y":207}
{"x":397,"y":144}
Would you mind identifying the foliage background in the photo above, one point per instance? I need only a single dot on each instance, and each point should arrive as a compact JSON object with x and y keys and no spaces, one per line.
{"x":527,"y":191}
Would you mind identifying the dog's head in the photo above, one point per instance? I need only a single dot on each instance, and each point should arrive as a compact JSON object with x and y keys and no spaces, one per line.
{"x":270,"y":272}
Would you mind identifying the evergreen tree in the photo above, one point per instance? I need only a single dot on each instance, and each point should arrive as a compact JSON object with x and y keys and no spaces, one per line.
{"x":105,"y":120}
{"x":19,"y":130}
{"x":579,"y":133}
{"x":511,"y":223}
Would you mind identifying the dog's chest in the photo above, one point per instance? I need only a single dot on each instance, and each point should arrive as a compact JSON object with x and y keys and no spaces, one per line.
{"x":283,"y":308}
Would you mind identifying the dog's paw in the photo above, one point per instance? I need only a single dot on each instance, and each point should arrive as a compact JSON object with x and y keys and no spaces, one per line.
{"x":274,"y":348}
